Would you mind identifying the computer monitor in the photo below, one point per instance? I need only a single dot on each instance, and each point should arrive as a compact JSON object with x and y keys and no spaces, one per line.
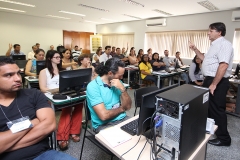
{"x":74,"y":80}
{"x":21,"y":63}
{"x":147,"y":109}
{"x":40,"y":65}
{"x":19,"y":57}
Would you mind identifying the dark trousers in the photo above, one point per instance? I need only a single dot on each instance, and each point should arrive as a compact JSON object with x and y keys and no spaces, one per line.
{"x":217,"y":107}
{"x":237,"y":69}
{"x":151,"y":78}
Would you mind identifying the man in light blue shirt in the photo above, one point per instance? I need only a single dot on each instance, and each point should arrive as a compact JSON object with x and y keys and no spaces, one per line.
{"x":107,"y":98}
{"x":15,"y":51}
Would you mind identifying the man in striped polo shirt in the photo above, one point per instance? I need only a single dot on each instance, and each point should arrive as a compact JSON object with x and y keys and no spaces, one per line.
{"x":216,"y":67}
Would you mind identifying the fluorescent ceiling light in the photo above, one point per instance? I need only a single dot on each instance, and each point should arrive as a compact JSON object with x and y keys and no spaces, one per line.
{"x":91,"y":22}
{"x":72,"y":13}
{"x":162,"y":12}
{"x":131,"y":16}
{"x":208,"y":5}
{"x":19,"y":3}
{"x":106,"y":19}
{"x":91,"y":7}
{"x":57,"y":17}
{"x":132,"y":2}
{"x":9,"y":9}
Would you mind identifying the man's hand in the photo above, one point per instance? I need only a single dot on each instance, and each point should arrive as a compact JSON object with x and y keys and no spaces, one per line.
{"x":117,"y":84}
{"x":212,"y":88}
{"x":74,"y":63}
{"x":192,"y":46}
{"x":10,"y":46}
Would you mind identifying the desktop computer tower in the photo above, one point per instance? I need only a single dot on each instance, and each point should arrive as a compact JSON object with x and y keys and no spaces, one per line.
{"x":183,"y":111}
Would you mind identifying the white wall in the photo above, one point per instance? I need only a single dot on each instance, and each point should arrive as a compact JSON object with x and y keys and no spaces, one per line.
{"x":28,"y":30}
{"x":180,"y":23}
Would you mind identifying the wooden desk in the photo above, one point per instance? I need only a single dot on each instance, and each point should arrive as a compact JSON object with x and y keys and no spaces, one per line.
{"x":199,"y":154}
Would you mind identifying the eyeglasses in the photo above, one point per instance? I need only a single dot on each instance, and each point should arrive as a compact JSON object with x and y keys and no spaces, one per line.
{"x":57,"y":57}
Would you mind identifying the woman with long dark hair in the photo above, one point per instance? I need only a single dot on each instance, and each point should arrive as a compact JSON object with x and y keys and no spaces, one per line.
{"x":139,"y":55}
{"x":195,"y":72}
{"x":31,"y":66}
{"x":96,"y":56}
{"x":157,"y":64}
{"x":132,"y":57}
{"x":149,"y":52}
{"x":70,"y":120}
{"x":67,"y":61}
{"x":146,"y":69}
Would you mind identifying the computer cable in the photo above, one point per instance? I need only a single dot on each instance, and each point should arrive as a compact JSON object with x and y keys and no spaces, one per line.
{"x":130,"y":148}
{"x":142,"y":150}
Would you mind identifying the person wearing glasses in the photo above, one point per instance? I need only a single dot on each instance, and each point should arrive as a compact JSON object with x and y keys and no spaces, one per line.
{"x":70,"y":120}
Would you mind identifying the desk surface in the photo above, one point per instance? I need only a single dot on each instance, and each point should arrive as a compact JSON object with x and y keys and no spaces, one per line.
{"x":133,"y":154}
{"x":233,"y":80}
{"x":31,"y":80}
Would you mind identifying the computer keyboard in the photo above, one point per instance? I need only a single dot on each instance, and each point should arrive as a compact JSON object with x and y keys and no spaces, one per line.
{"x":131,"y":127}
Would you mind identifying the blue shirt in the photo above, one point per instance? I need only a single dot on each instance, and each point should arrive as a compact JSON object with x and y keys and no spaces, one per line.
{"x":13,"y":53}
{"x":97,"y":93}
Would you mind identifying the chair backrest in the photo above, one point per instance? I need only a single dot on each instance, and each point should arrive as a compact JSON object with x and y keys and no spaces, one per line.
{"x":139,"y":92}
{"x":21,"y":63}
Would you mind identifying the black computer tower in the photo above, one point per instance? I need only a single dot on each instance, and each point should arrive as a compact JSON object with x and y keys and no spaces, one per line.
{"x":184,"y":112}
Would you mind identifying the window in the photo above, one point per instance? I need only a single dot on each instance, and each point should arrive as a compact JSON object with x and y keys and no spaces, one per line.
{"x":178,"y":41}
{"x":118,"y":40}
{"x":236,"y":45}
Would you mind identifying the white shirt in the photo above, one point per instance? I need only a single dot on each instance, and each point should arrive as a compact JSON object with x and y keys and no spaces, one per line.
{"x":167,"y":61}
{"x":221,"y":50}
{"x":52,"y":83}
{"x":31,"y":55}
{"x":95,"y":55}
{"x":104,"y":58}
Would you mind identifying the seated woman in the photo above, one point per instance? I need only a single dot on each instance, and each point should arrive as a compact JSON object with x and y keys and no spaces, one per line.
{"x":146,"y":69}
{"x":70,"y":120}
{"x":195,"y":72}
{"x":84,"y":62}
{"x":157,"y":64}
{"x":30,"y":69}
{"x":149,"y":52}
{"x":67,"y":61}
{"x":140,"y":54}
{"x":179,"y":63}
{"x":132,"y":57}
{"x":95,"y":57}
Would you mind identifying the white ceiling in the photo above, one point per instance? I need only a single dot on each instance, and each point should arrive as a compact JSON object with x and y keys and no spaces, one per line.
{"x":116,"y":8}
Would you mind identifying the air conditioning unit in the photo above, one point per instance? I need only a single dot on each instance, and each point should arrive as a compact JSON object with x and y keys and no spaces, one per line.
{"x":236,"y":16}
{"x":156,"y":22}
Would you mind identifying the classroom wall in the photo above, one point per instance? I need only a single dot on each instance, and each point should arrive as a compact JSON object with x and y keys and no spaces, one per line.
{"x":179,"y":23}
{"x":28,"y":30}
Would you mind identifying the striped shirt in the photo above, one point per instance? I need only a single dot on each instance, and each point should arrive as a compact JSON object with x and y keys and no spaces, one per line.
{"x":221,"y":50}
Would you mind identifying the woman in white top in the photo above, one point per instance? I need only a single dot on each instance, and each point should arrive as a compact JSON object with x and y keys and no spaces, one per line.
{"x":68,"y":125}
{"x":96,"y":56}
{"x":132,"y":57}
{"x":195,"y":73}
{"x":67,"y":60}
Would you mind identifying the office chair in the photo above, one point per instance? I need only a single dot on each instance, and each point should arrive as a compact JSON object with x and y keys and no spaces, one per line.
{"x":52,"y":140}
{"x":91,"y":135}
{"x":138,"y":95}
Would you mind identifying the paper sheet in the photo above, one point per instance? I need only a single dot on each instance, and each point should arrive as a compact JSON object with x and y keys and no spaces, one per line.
{"x":115,"y":136}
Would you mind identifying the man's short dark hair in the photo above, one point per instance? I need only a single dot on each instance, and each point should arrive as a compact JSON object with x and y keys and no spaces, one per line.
{"x":16,"y":45}
{"x":6,"y":60}
{"x":37,"y":44}
{"x":117,"y":48}
{"x":110,"y":65}
{"x":107,"y":47}
{"x":75,"y":46}
{"x":219,"y":26}
{"x":113,"y":47}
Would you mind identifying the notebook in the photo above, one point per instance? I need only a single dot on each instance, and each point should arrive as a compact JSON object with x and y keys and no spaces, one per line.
{"x":115,"y":136}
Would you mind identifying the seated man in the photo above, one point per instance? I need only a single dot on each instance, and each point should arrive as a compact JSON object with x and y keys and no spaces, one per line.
{"x":15,"y":51}
{"x":107,"y":97}
{"x":28,"y":139}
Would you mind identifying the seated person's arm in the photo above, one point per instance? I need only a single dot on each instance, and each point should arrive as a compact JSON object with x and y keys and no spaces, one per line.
{"x":71,"y":64}
{"x":132,"y":61}
{"x":43,"y":81}
{"x":9,"y":139}
{"x":9,"y":50}
{"x":28,"y":69}
{"x":95,"y":58}
{"x":47,"y":124}
{"x":158,"y":64}
{"x":145,"y":73}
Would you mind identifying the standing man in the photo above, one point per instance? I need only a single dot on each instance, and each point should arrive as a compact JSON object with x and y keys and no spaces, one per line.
{"x":106,"y":55}
{"x":15,"y":51}
{"x":32,"y":53}
{"x":217,"y":67}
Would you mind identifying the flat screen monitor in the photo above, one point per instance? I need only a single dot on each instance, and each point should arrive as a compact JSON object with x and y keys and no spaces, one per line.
{"x":74,"y":80}
{"x":40,"y":65}
{"x":148,"y":108}
{"x":19,"y":57}
{"x":21,"y":63}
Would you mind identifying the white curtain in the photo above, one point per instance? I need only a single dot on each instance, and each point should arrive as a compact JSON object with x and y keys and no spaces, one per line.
{"x":178,"y":41}
{"x":118,"y":40}
{"x":236,"y":45}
